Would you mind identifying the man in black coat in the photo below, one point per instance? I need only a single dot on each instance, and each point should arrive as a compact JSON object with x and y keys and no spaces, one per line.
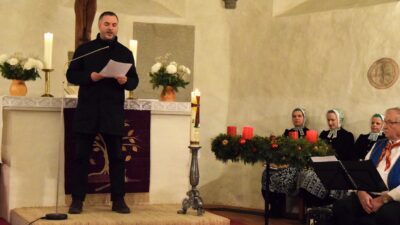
{"x":100,"y":109}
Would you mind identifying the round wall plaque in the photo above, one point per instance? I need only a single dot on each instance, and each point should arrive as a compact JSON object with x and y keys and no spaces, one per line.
{"x":383,"y":73}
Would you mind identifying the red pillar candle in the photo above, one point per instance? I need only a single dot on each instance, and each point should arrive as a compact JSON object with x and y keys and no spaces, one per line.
{"x":294,"y":135}
{"x":247,"y":133}
{"x":312,"y":136}
{"x":231,"y":131}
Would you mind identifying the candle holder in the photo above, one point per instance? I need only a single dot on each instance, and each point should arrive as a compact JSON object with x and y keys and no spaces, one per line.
{"x":131,"y":95}
{"x":193,"y":200}
{"x":47,"y":83}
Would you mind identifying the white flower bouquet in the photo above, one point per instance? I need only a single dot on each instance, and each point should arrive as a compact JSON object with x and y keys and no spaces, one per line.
{"x":16,"y":67}
{"x":168,"y":73}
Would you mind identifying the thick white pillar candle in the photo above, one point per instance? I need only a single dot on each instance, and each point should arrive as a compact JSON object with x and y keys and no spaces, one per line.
{"x":133,"y":44}
{"x":48,"y":50}
{"x":195,"y":119}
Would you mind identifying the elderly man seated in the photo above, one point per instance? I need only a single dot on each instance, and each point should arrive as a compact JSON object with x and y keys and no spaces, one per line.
{"x":377,"y":208}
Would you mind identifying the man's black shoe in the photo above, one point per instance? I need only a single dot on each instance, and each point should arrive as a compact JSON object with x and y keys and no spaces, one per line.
{"x":120,"y":206}
{"x":75,"y":207}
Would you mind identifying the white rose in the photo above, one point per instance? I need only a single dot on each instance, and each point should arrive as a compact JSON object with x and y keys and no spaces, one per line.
{"x":171,"y":69}
{"x":156,"y":67}
{"x":13,"y":61}
{"x":173,"y":63}
{"x":187,"y":71}
{"x":29,"y":64}
{"x":3,"y":58}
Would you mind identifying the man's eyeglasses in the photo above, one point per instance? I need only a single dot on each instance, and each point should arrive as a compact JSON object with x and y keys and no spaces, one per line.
{"x":391,"y":123}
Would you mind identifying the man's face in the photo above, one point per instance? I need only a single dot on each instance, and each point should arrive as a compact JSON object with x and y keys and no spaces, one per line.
{"x":391,"y":126}
{"x":108,"y":27}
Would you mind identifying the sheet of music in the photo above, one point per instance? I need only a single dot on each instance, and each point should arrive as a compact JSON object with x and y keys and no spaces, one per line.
{"x":115,"y":69}
{"x":330,"y":158}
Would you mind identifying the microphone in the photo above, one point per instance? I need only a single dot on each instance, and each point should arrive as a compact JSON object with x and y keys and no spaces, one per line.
{"x":89,"y":53}
{"x":66,"y":65}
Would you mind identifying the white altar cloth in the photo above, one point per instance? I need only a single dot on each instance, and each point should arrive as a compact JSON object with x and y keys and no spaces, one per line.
{"x":54,"y":104}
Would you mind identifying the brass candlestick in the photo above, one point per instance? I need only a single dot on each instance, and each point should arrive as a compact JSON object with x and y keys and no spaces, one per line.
{"x":47,"y":83}
{"x":131,"y":95}
{"x":193,"y":200}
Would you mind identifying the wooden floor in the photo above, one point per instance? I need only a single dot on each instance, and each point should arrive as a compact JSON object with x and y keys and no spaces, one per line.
{"x":251,"y":219}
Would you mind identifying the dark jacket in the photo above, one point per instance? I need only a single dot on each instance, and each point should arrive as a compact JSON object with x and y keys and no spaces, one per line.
{"x":363,"y":145}
{"x":343,"y":144}
{"x":286,"y":133}
{"x":100,"y":104}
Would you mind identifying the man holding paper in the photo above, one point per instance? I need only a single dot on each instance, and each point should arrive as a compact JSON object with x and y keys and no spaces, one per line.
{"x":100,"y":107}
{"x":377,"y":208}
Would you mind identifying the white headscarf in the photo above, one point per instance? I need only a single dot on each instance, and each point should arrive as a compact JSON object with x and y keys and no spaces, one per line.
{"x":340,"y":118}
{"x":300,"y":129}
{"x":374,"y":136}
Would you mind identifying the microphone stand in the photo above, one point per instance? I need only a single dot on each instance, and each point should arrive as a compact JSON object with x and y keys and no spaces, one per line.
{"x":89,"y":53}
{"x":66,"y":65}
{"x":57,"y":215}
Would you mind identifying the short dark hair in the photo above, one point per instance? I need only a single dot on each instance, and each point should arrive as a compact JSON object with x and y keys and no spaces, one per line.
{"x":107,"y":13}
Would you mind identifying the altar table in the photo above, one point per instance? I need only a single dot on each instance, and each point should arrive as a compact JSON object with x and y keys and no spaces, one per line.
{"x":32,"y":135}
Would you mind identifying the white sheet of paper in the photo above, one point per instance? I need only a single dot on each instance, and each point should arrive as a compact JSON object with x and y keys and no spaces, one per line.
{"x":114,"y":69}
{"x":330,"y":158}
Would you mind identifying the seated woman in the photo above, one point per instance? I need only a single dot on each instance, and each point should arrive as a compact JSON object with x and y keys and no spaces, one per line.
{"x":283,"y":181}
{"x":365,"y":142}
{"x":342,"y":142}
{"x":299,"y":121}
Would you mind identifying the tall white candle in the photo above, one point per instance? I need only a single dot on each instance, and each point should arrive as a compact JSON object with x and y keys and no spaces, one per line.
{"x":48,"y":50}
{"x":195,"y":118}
{"x":133,"y":44}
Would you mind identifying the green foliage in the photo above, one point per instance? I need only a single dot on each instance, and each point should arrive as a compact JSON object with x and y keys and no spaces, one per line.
{"x":168,"y":73}
{"x":16,"y":67}
{"x":162,"y":78}
{"x":250,"y":150}
{"x":226,"y":148}
{"x":17,"y":72}
{"x":278,"y":150}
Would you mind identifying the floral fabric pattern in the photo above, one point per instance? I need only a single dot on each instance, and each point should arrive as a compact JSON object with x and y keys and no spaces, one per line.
{"x":284,"y":181}
{"x":290,"y":180}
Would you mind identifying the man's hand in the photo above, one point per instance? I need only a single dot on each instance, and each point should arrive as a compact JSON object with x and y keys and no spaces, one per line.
{"x":366,"y":201}
{"x":121,"y":79}
{"x":377,"y":203}
{"x":96,"y":76}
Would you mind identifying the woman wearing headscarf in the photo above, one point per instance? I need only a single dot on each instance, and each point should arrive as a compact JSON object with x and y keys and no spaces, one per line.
{"x":341,"y":140}
{"x":283,"y":180}
{"x":365,"y":142}
{"x":299,"y":121}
